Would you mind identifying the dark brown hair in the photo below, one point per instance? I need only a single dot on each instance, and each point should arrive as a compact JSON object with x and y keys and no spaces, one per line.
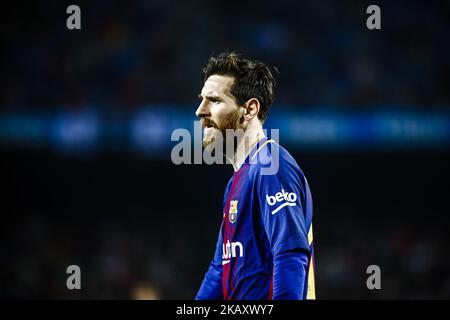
{"x":252,"y":79}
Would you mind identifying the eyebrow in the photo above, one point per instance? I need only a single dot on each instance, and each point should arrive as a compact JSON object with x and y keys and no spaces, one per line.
{"x":210,"y":96}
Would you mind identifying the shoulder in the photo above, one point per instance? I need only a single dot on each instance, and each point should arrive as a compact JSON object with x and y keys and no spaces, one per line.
{"x":277,"y":168}
{"x":273,"y":159}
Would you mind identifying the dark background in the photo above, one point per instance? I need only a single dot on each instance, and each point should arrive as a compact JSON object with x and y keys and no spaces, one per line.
{"x":142,"y":227}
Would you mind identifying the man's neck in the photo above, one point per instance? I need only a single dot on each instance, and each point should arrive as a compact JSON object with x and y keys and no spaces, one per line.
{"x":244,"y":146}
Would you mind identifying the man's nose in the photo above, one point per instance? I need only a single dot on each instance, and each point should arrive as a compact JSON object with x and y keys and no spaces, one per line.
{"x":202,"y":110}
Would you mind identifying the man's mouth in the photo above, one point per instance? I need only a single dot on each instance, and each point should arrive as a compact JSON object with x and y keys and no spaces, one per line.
{"x":206,"y":124}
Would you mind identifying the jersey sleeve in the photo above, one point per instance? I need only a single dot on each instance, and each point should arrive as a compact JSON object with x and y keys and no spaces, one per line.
{"x":211,"y":287}
{"x":289,"y":272}
{"x":281,"y":200}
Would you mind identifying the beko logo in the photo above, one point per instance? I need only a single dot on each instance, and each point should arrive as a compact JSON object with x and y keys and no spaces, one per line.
{"x":288,"y":198}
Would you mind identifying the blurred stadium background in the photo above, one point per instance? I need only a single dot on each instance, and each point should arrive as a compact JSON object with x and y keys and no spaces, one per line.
{"x":85,"y":125}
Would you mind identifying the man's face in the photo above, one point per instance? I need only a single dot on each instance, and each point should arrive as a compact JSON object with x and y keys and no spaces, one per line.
{"x":218,"y":110}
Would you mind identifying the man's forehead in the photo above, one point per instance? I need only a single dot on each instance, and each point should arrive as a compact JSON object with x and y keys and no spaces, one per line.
{"x":217,"y":84}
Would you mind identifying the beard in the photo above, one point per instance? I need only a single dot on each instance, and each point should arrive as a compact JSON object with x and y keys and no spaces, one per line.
{"x":232,"y":122}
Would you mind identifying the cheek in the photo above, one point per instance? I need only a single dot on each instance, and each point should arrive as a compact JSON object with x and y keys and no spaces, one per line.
{"x":223,"y":112}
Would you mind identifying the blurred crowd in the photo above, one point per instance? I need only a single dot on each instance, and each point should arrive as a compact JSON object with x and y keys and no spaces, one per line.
{"x":150,"y":52}
{"x":120,"y":259}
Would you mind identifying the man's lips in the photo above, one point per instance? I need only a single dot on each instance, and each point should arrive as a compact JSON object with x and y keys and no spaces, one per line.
{"x":206,"y":124}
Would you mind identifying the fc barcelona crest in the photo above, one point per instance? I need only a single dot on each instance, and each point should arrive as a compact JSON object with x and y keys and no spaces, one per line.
{"x":232,"y":214}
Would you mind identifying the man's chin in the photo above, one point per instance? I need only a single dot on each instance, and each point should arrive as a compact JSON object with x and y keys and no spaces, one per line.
{"x":208,"y":141}
{"x":209,"y":136}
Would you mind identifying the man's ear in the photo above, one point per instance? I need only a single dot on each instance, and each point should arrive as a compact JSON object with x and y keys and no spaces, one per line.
{"x":251,"y":109}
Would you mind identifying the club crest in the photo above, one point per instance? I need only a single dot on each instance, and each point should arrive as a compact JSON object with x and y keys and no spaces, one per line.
{"x":232,"y":214}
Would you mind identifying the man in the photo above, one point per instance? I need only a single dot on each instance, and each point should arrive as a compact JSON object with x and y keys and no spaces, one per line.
{"x":264,"y":249}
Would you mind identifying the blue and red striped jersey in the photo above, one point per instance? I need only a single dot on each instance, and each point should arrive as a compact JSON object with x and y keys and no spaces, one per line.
{"x":265,"y":216}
